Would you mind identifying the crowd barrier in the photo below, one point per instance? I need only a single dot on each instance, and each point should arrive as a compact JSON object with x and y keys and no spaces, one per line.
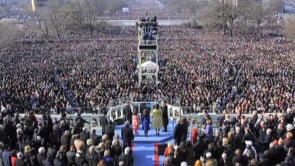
{"x":174,"y":113}
{"x":92,"y":120}
{"x":117,"y":115}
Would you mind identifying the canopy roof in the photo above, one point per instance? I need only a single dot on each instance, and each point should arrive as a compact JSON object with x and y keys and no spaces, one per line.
{"x":150,"y":65}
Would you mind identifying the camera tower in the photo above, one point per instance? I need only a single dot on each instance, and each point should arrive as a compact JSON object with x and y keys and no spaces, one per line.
{"x":148,"y":67}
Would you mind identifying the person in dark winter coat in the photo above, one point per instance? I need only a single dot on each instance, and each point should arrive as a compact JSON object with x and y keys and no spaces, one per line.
{"x":103,"y":121}
{"x":127,"y":135}
{"x":41,"y":156}
{"x":58,"y":161}
{"x":66,"y":139}
{"x":178,"y":132}
{"x":20,"y":160}
{"x":165,"y":119}
{"x":94,"y":137}
{"x":116,"y":151}
{"x":127,"y":157}
{"x":110,"y":131}
{"x":84,"y":135}
{"x":92,"y":156}
{"x":185,"y":125}
{"x":128,"y":113}
{"x":49,"y":161}
{"x":71,"y":156}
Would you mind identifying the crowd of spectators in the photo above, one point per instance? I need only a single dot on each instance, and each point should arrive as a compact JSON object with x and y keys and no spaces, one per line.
{"x":31,"y":141}
{"x":239,"y":141}
{"x":198,"y":70}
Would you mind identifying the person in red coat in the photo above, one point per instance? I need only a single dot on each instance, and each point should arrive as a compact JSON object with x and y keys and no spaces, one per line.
{"x":168,"y":149}
{"x":135,"y":122}
{"x":194,"y":135}
{"x":13,"y":158}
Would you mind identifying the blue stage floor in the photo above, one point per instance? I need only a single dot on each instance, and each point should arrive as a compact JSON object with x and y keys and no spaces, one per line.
{"x":144,"y":148}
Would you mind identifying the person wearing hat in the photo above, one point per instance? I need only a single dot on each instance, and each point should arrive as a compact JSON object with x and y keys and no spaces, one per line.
{"x":20,"y":159}
{"x":250,"y":151}
{"x":198,"y":163}
{"x":210,"y":161}
{"x":183,"y":163}
{"x":127,"y":157}
{"x":41,"y":155}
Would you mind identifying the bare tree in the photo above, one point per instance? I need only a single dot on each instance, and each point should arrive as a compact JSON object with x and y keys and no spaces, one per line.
{"x":257,"y":15}
{"x":58,"y":18}
{"x":221,"y":15}
{"x":211,"y":16}
{"x":230,"y":14}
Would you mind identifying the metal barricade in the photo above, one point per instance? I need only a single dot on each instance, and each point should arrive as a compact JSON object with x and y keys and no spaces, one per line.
{"x":91,"y":119}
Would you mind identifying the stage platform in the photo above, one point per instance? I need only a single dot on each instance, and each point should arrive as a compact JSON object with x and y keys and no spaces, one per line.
{"x":152,"y":137}
{"x":149,"y":150}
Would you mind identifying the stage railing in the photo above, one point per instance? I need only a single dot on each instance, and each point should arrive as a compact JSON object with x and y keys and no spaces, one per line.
{"x":92,"y":120}
{"x":117,"y":114}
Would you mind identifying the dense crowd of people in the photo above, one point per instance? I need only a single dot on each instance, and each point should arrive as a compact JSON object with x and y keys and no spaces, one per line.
{"x":28,"y":141}
{"x":239,"y":141}
{"x":198,"y":69}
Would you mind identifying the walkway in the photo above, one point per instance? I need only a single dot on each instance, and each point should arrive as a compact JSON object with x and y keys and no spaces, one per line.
{"x":146,"y":149}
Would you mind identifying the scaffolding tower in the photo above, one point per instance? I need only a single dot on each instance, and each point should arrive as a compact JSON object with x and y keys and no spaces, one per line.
{"x":148,"y":60}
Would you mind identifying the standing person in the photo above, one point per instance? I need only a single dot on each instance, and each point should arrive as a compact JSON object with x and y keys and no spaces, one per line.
{"x":165,"y":119}
{"x":185,"y":125}
{"x":110,"y":131}
{"x":103,"y":123}
{"x":135,"y":122}
{"x":6,"y":156}
{"x":127,"y":135}
{"x":146,"y":122}
{"x":178,"y":132}
{"x":209,"y":129}
{"x":128,"y":113}
{"x":127,"y":157}
{"x":194,"y":135}
{"x":157,"y":119}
